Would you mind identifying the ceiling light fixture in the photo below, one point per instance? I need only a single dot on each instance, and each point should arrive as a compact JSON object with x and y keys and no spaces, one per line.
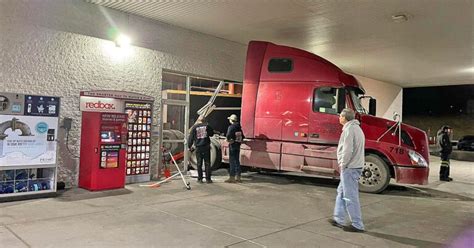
{"x":470,"y":70}
{"x":400,"y":17}
{"x":122,"y":41}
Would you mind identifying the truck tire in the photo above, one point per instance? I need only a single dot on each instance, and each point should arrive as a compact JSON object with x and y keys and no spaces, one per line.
{"x":170,"y":147}
{"x":375,"y":175}
{"x":216,"y":155}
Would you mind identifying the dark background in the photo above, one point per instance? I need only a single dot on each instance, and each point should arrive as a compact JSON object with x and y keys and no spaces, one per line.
{"x":429,"y":108}
{"x":444,"y":100}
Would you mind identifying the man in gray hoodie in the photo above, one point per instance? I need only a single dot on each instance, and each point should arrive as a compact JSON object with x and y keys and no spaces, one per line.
{"x":351,"y":158}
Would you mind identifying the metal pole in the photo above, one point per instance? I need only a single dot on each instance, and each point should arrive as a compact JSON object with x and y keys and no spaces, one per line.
{"x":186,"y":122}
{"x":160,"y":139}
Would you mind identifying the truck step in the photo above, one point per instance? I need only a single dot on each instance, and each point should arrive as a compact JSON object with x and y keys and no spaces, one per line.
{"x":321,"y":170}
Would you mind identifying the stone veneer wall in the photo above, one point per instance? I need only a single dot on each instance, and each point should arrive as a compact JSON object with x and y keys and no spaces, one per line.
{"x":60,"y":48}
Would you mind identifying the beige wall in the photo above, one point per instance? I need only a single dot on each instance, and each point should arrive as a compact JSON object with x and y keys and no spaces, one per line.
{"x":389,"y":96}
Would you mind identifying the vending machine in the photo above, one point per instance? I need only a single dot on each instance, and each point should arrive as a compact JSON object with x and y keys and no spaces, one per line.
{"x":28,"y":144}
{"x":138,"y":109}
{"x":103,"y":148}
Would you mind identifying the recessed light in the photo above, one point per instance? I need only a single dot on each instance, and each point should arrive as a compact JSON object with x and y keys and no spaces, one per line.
{"x":400,"y":17}
{"x":122,"y":40}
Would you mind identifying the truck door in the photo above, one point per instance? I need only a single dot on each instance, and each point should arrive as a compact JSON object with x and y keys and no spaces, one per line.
{"x":327,"y":103}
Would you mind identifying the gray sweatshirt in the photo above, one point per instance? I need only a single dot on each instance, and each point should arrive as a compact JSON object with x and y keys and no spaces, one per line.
{"x":350,"y":151}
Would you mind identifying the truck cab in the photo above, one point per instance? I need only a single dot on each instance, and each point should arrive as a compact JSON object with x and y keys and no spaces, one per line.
{"x":290,"y":115}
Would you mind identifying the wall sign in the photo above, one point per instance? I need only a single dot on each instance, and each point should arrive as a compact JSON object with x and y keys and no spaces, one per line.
{"x":27,"y":140}
{"x":117,"y":94}
{"x":41,"y":106}
{"x":96,"y":104}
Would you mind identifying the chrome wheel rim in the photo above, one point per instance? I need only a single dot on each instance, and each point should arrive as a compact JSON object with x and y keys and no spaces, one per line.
{"x":371,"y":175}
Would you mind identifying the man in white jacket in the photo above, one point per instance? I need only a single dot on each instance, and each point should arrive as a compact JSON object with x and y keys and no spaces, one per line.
{"x":350,"y":157}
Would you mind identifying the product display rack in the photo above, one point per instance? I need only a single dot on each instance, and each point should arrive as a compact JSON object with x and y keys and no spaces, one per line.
{"x":138,"y":141}
{"x":27,"y":181}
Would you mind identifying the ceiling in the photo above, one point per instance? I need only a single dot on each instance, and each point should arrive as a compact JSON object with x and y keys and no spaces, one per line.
{"x":435,"y":46}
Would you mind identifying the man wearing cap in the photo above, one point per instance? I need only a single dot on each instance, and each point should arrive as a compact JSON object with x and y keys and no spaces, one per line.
{"x":199,"y":136}
{"x":235,"y":137}
{"x":446,"y":148}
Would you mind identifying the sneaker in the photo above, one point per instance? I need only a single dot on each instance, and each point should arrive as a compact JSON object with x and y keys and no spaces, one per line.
{"x":334,"y":223}
{"x":209,"y":181}
{"x":351,"y":228}
{"x":445,"y":179}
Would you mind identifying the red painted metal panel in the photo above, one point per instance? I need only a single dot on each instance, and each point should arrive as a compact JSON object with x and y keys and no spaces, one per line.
{"x":91,"y":175}
{"x":306,"y":66}
{"x":253,"y":65}
{"x":268,"y":128}
{"x":291,"y":162}
{"x":324,"y":128}
{"x":412,"y":175}
{"x":295,"y":155}
{"x":262,"y":154}
{"x":249,"y":100}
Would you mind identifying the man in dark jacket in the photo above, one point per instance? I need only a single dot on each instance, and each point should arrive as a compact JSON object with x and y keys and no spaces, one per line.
{"x":235,"y":137}
{"x":446,"y":148}
{"x":200,"y":137}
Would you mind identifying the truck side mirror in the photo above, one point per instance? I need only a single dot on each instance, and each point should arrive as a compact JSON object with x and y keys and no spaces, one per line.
{"x":372,"y":106}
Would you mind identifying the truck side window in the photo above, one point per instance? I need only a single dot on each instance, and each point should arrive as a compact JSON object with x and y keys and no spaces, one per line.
{"x":328,"y":100}
{"x":280,"y":65}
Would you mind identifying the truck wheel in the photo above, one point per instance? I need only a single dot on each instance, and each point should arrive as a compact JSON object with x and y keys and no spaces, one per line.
{"x":375,"y":175}
{"x":216,"y":155}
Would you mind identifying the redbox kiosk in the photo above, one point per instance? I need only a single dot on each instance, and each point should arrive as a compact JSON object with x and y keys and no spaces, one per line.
{"x":103,"y":150}
{"x":137,"y":137}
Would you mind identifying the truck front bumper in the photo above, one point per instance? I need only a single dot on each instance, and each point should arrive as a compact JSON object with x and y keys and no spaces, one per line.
{"x":412,"y":175}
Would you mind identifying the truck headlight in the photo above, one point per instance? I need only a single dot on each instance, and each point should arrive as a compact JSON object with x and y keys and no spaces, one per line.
{"x":417,"y":159}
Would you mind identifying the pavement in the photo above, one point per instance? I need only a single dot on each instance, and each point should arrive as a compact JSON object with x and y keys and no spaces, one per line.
{"x":266,"y":210}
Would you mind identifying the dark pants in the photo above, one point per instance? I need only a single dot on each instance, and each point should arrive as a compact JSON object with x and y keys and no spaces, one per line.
{"x":234,"y":161}
{"x":203,"y":154}
{"x":444,"y":168}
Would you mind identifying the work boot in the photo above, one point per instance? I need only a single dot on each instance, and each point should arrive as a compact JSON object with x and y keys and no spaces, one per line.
{"x":238,"y":179}
{"x":446,"y":179}
{"x":230,"y":180}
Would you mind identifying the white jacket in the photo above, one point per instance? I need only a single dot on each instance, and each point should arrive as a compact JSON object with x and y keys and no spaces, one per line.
{"x":350,"y":151}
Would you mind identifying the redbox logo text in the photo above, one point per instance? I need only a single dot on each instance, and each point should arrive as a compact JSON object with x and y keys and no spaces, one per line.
{"x":99,"y":105}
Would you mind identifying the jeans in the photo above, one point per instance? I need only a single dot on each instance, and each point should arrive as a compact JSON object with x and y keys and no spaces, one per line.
{"x":203,"y":154}
{"x":347,"y":200}
{"x":234,"y":161}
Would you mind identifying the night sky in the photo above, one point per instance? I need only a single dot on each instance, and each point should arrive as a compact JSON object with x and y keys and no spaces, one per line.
{"x":444,"y":100}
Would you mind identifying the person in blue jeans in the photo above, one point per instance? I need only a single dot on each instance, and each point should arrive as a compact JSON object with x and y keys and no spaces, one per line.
{"x":351,"y":159}
{"x":235,"y":137}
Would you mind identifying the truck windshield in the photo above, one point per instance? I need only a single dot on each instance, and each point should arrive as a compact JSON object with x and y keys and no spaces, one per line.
{"x":357,"y":104}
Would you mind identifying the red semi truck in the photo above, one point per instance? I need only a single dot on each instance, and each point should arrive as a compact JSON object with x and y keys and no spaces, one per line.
{"x":290,"y":105}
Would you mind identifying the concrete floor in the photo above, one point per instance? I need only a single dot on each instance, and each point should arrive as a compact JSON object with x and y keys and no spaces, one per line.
{"x":264,"y":211}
